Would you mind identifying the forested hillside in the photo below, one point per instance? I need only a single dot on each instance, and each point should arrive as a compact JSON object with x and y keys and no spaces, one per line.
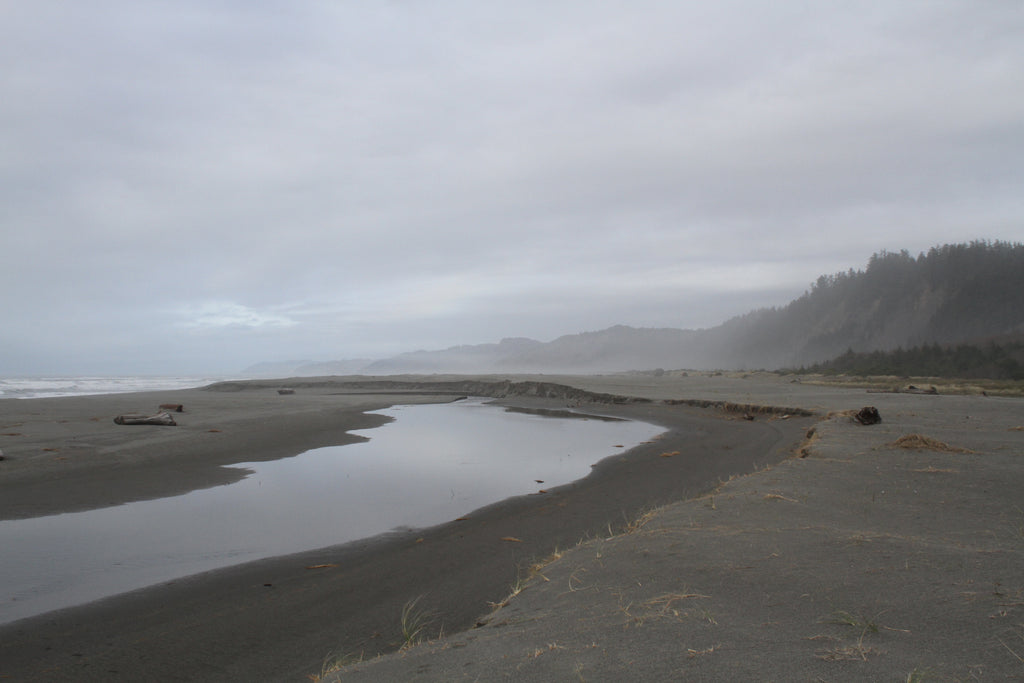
{"x":990,"y":360}
{"x":951,"y":294}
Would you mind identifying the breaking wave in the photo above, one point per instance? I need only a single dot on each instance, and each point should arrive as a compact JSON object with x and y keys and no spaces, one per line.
{"x":47,"y":387}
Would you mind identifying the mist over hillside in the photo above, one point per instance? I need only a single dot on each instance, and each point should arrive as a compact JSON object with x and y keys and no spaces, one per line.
{"x":953,"y":293}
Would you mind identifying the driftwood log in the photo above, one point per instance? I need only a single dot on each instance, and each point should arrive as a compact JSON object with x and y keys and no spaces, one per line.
{"x":868,"y":415}
{"x":930,"y":391}
{"x":161,"y":419}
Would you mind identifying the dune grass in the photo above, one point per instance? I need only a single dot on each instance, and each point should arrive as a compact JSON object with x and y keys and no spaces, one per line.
{"x":414,"y":621}
{"x":943,"y":385}
{"x":921,"y":442}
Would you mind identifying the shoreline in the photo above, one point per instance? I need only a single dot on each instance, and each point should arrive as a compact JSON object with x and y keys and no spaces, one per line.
{"x":858,"y":559}
{"x":323,"y":497}
{"x":309,"y":607}
{"x":49,"y":442}
{"x":876,"y":555}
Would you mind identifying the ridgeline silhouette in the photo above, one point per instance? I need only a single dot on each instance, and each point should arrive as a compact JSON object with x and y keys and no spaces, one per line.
{"x":967,"y":295}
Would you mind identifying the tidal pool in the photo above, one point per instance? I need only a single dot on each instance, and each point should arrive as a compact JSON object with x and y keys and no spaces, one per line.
{"x":432,"y":464}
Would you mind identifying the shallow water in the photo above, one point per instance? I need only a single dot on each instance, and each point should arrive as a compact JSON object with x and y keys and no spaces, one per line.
{"x":432,"y":464}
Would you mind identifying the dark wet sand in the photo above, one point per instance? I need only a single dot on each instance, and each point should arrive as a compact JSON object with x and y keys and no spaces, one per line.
{"x":863,"y":561}
{"x":279,"y":619}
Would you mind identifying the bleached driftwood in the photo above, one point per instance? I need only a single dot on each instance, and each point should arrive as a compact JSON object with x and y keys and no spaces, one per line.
{"x":163,"y":419}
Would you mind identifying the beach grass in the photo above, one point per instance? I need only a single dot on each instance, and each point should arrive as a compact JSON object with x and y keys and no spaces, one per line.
{"x":333,"y":664}
{"x":943,"y":385}
{"x":414,"y":621}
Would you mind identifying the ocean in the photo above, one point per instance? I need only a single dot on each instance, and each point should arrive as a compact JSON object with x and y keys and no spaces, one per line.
{"x":46,"y":387}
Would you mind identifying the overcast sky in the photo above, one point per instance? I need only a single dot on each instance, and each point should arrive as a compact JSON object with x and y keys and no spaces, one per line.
{"x":195,"y":186}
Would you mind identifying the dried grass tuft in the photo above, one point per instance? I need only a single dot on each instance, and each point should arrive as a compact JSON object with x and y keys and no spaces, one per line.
{"x":777,"y":496}
{"x":857,"y":652}
{"x":921,"y":442}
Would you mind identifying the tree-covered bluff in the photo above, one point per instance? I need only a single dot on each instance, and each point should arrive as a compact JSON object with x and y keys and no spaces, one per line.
{"x":952,"y":294}
{"x":956,"y":294}
{"x":992,"y":360}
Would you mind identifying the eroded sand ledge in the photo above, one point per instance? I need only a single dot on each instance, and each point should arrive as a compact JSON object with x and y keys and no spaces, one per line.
{"x":775,"y":552}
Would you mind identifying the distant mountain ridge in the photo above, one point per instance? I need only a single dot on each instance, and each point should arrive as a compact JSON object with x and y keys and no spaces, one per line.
{"x":953,"y":293}
{"x":616,"y":348}
{"x":307,"y":368}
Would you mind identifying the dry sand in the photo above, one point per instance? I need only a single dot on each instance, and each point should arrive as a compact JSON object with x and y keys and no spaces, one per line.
{"x":862,"y":561}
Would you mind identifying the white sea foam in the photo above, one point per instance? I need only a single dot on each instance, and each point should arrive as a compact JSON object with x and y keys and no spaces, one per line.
{"x":45,"y":387}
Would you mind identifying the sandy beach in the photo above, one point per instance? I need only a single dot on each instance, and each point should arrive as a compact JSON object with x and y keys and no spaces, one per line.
{"x":860,"y":561}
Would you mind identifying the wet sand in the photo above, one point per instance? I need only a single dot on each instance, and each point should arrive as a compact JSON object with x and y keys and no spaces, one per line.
{"x":279,"y":619}
{"x":862,"y":561}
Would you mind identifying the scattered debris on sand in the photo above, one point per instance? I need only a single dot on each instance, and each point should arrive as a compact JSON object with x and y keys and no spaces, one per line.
{"x":921,"y":442}
{"x":160,"y":419}
{"x":868,"y":415}
{"x":910,"y":389}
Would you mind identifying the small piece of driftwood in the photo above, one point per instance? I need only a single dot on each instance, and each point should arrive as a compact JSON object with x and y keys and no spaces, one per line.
{"x":161,"y":419}
{"x":173,"y":407}
{"x":930,"y":391}
{"x":868,"y":415}
{"x":285,"y":391}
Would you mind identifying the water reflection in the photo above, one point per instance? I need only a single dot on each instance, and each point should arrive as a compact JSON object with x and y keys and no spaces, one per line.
{"x":433,"y":464}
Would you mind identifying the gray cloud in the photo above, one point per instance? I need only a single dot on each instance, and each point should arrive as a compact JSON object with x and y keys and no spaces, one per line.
{"x":198,"y":186}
